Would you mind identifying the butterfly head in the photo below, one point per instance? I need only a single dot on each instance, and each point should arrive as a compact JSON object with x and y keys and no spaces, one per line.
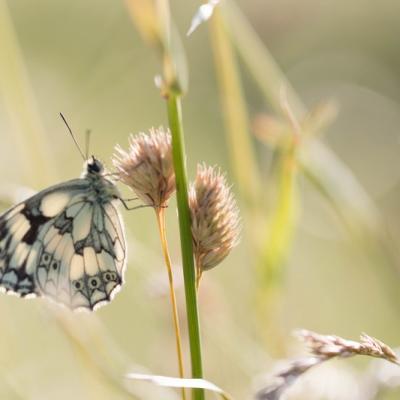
{"x":93,"y":167}
{"x":100,"y":179}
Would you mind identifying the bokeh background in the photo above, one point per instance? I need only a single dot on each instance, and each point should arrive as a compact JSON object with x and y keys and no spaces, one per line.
{"x":87,"y":60}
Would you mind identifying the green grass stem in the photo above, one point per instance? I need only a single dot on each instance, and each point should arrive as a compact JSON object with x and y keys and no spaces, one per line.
{"x":179,"y":158}
{"x":282,"y":222}
{"x":270,"y":79}
{"x":272,"y":240}
{"x":331,"y":178}
{"x":235,"y":114}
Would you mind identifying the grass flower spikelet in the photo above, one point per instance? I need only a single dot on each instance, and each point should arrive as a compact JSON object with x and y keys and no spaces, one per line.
{"x":146,"y":167}
{"x":215,"y":217}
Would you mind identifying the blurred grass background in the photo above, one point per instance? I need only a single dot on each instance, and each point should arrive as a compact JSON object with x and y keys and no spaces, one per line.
{"x":87,"y":60}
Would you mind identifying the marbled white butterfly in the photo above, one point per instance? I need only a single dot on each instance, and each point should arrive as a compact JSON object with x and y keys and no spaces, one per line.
{"x":66,"y":242}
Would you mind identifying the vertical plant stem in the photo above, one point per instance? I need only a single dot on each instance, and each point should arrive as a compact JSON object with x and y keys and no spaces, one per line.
{"x":179,"y":158}
{"x":160,"y":213}
{"x":283,"y":220}
{"x":271,"y":238}
{"x":260,"y":63}
{"x":327,"y":173}
{"x":236,"y":121}
{"x":199,"y":273}
{"x":235,"y":113}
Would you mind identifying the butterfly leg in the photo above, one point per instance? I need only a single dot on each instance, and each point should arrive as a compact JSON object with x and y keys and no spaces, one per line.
{"x":133,"y":208}
{"x":141,"y":206}
{"x":131,"y":199}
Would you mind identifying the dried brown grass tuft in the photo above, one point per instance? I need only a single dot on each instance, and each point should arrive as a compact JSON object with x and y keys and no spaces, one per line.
{"x":324,"y":348}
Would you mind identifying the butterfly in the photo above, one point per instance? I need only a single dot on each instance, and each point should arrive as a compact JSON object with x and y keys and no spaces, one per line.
{"x":66,"y":243}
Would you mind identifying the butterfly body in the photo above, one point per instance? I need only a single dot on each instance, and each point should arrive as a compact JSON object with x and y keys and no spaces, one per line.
{"x":66,"y":242}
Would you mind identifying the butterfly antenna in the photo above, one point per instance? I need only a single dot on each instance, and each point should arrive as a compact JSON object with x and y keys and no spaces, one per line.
{"x":87,"y":143}
{"x":73,"y":137}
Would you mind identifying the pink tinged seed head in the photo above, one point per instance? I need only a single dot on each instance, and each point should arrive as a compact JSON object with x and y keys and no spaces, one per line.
{"x":215,"y":217}
{"x":147,"y":166}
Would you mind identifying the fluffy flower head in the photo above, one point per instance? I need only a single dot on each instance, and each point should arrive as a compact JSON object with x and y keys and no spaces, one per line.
{"x":147,"y":167}
{"x":215,"y":217}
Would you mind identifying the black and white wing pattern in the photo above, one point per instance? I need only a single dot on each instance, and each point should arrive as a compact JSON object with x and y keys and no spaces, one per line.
{"x":66,"y":243}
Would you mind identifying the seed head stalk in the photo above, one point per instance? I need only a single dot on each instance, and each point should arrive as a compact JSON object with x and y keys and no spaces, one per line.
{"x":172,"y":83}
{"x":199,"y":273}
{"x":214,"y":218}
{"x":147,"y":168}
{"x":179,"y":159}
{"x":160,"y":214}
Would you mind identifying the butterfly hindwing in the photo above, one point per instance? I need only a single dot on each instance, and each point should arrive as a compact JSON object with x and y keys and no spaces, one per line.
{"x":65,"y":245}
{"x":14,"y":253}
{"x":89,"y":272}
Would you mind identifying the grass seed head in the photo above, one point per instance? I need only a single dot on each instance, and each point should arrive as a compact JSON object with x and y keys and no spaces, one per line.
{"x":215,"y":217}
{"x":147,"y":167}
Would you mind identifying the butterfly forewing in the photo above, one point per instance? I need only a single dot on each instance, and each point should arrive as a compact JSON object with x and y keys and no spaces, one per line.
{"x":65,"y":243}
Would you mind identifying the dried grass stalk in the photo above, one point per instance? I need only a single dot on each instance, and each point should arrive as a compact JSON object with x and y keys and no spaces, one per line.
{"x":323,"y":348}
{"x":329,"y":346}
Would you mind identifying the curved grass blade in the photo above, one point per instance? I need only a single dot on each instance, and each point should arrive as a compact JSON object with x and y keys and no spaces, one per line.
{"x":171,"y":382}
